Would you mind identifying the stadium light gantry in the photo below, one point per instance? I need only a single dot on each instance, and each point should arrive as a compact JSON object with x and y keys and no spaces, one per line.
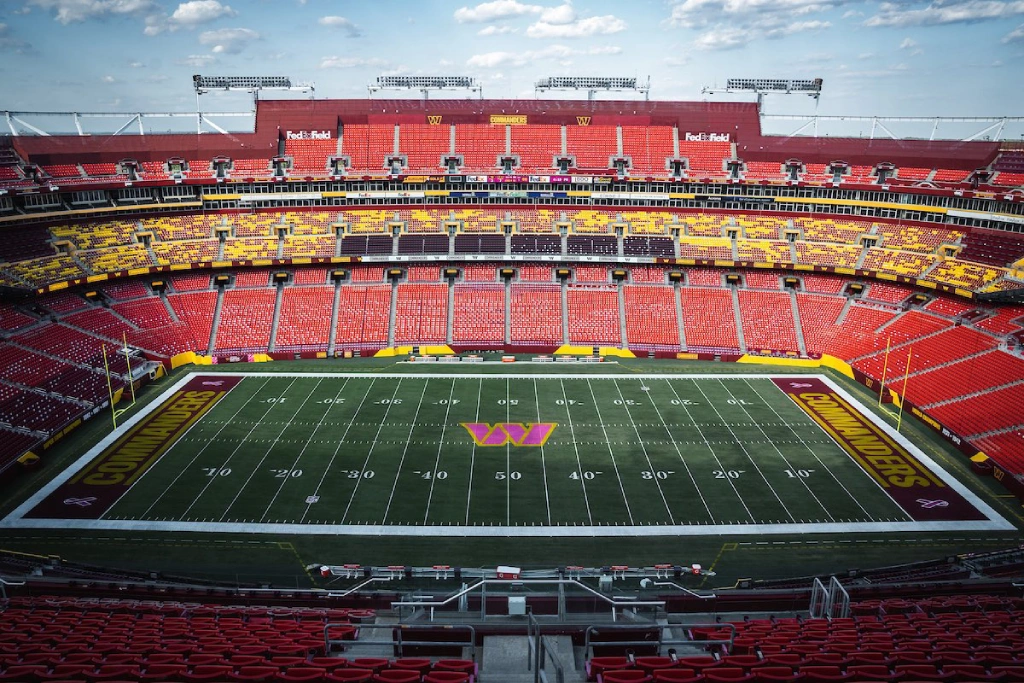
{"x":426,"y":83}
{"x":770,"y":86}
{"x":593,"y":83}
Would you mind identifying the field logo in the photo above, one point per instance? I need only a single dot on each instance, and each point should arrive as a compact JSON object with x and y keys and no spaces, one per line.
{"x":516,"y":433}
{"x":582,"y":120}
{"x":434,"y":120}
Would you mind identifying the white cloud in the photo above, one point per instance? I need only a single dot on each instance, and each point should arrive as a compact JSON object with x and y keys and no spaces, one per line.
{"x":563,"y":14}
{"x":197,"y":12}
{"x":335,"y":62}
{"x":493,"y":30}
{"x":228,"y":40}
{"x":696,"y":13}
{"x":730,"y":38}
{"x":908,"y":43}
{"x":492,"y":11}
{"x":189,"y":14}
{"x":851,"y":13}
{"x":74,"y":11}
{"x":198,"y":61}
{"x":1014,"y":36}
{"x":347,"y":25}
{"x":136,"y":65}
{"x":490,"y":60}
{"x":581,"y":28}
{"x":109,"y":79}
{"x":941,"y":12}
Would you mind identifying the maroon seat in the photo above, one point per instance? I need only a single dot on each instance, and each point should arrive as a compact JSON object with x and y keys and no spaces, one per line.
{"x":207,"y":672}
{"x":446,"y":677}
{"x":374,"y":664}
{"x":971,"y":672}
{"x":676,"y":675}
{"x":922,"y":672}
{"x":724,"y":674}
{"x":1010,"y":673}
{"x":649,"y":664}
{"x":111,"y":672}
{"x":774,"y":674}
{"x":163,"y":672}
{"x":301,"y":673}
{"x":328,"y":663}
{"x":595,"y":665}
{"x":397,"y":676}
{"x":624,"y":676}
{"x":350,"y":676}
{"x":818,"y":673}
{"x":465,"y":665}
{"x":258,"y":672}
{"x":421,"y":664}
{"x":872,"y":672}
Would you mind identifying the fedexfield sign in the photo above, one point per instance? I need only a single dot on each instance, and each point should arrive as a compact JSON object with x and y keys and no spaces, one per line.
{"x":307,"y":135}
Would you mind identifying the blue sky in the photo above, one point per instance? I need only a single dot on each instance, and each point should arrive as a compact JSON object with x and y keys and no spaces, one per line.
{"x":899,"y":57}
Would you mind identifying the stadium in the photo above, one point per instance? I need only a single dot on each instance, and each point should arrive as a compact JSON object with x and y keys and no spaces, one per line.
{"x":451,"y":390}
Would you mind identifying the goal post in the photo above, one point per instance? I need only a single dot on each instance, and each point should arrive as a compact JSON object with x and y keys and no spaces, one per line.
{"x":898,"y":397}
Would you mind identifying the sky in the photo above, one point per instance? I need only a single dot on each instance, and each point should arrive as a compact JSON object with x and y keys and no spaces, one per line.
{"x":889,"y":58}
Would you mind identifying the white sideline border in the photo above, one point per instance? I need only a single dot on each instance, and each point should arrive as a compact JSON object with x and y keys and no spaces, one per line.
{"x":993,"y":522}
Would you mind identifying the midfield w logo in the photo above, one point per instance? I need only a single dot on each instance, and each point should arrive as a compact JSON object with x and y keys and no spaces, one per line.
{"x":514,"y":433}
{"x":434,"y":120}
{"x":582,"y":120}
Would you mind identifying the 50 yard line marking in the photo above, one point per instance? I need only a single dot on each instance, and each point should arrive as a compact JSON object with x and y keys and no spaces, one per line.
{"x":405,"y":450}
{"x":543,"y":463}
{"x":383,"y":421}
{"x":337,"y":449}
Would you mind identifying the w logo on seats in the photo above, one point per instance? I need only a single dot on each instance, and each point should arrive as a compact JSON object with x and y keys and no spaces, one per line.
{"x":434,"y":120}
{"x":515,"y":433}
{"x":582,"y":120}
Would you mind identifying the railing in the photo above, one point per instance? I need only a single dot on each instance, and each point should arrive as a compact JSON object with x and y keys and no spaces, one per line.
{"x":399,"y":639}
{"x":829,"y":603}
{"x":4,"y":583}
{"x":661,"y":642}
{"x":432,"y":605}
{"x":539,"y":654}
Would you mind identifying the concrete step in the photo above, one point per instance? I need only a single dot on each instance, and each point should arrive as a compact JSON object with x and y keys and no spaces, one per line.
{"x":505,"y":659}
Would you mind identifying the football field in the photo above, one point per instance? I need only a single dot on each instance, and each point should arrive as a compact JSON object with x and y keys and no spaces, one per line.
{"x":460,"y":454}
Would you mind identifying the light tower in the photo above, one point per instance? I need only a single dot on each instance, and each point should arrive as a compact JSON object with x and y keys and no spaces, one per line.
{"x":426,"y":83}
{"x":593,"y":83}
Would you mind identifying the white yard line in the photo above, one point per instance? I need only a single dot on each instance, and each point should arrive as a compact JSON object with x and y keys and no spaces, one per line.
{"x":369,"y":453}
{"x":575,"y":446}
{"x":508,"y":465}
{"x":269,"y":449}
{"x":337,"y":449}
{"x":611,"y":455}
{"x":745,"y":451}
{"x":440,"y":446}
{"x":810,"y":450}
{"x":680,"y":453}
{"x":472,"y":453}
{"x":543,"y":463}
{"x":304,"y":447}
{"x":778,"y":450}
{"x":640,"y":440}
{"x":405,"y":450}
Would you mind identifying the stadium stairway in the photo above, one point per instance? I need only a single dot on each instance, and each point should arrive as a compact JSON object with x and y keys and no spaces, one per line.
{"x":393,"y":313}
{"x":450,"y":325}
{"x":277,"y":317}
{"x":564,"y":294}
{"x":738,"y":317}
{"x":622,"y":302}
{"x":798,"y":325}
{"x":216,"y":321}
{"x":332,"y":340}
{"x":679,"y":313}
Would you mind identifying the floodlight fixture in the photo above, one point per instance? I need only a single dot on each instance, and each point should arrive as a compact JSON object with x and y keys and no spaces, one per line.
{"x":426,"y":83}
{"x":770,"y":86}
{"x":253,"y":84}
{"x":593,"y":83}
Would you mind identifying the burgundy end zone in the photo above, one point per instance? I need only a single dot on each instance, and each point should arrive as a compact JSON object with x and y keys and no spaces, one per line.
{"x":913,"y":487}
{"x":102,"y":482}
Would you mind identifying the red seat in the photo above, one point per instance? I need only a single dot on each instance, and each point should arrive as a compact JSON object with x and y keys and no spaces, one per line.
{"x":446,"y":677}
{"x":823,"y":674}
{"x":774,"y":674}
{"x":971,"y":672}
{"x":328,"y":663}
{"x":254,"y":673}
{"x":1010,"y":673}
{"x":421,"y":664}
{"x":374,"y":664}
{"x":922,"y":672}
{"x":465,"y":665}
{"x":624,"y":676}
{"x":676,"y":675}
{"x":397,"y":676}
{"x":301,"y":673}
{"x":163,"y":672}
{"x":595,"y":665}
{"x":350,"y":676}
{"x":649,"y":664}
{"x":110,"y":672}
{"x":727,"y":673}
{"x":872,"y":672}
{"x":207,"y":672}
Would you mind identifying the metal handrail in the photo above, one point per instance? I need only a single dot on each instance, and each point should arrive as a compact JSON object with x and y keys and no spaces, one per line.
{"x":539,"y":653}
{"x":399,"y":641}
{"x":4,"y":583}
{"x":660,"y":642}
{"x":615,"y":603}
